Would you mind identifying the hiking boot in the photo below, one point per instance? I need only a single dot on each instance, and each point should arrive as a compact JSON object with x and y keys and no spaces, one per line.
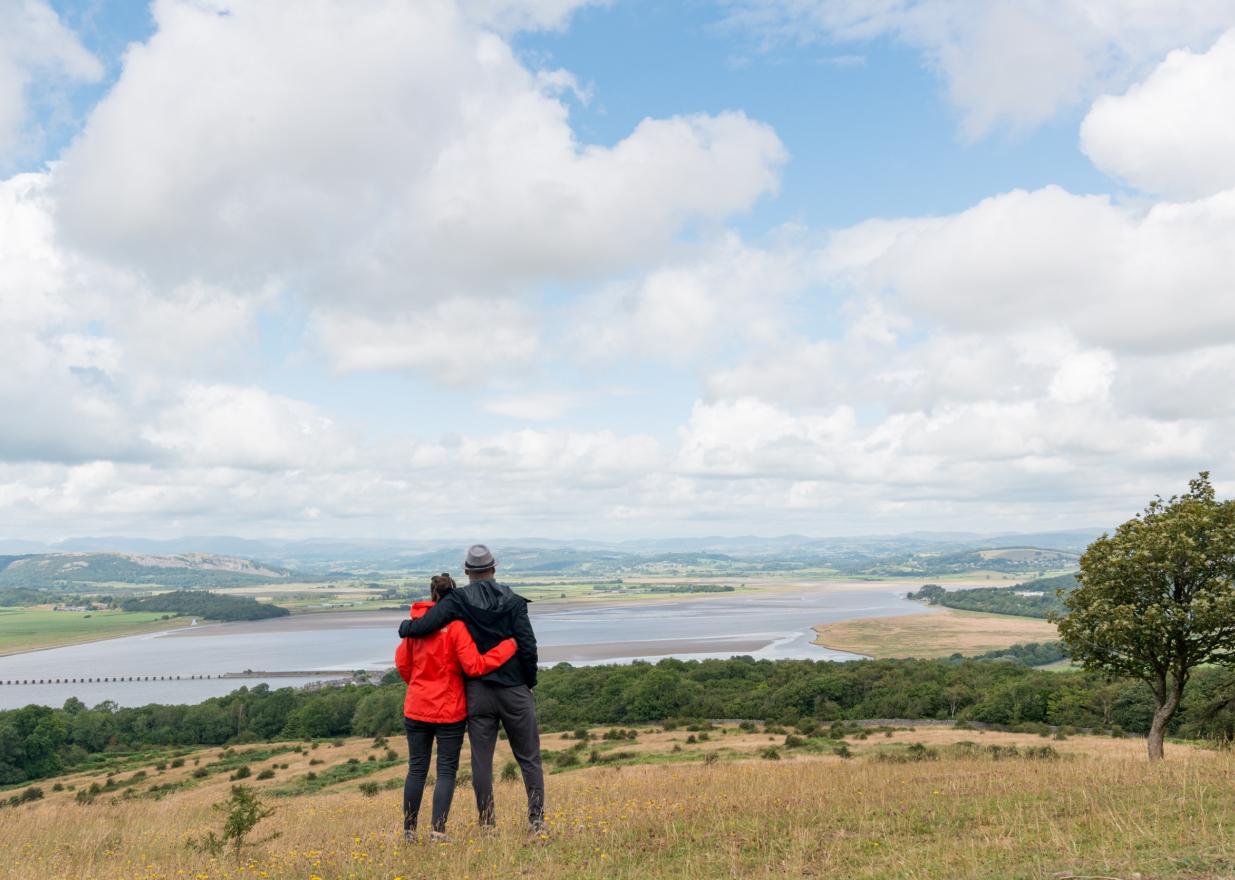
{"x":439,"y":837}
{"x":538,"y":830}
{"x":410,"y":836}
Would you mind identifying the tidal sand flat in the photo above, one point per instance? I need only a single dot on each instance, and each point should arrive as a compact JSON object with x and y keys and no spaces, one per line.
{"x":940,"y":634}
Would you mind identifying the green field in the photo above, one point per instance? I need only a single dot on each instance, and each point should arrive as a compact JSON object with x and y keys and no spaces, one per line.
{"x":23,"y":629}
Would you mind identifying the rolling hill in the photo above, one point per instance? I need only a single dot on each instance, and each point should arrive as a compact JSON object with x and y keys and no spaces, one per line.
{"x":74,"y":571}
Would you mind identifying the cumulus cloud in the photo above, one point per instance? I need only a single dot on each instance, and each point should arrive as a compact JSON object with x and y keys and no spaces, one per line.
{"x":248,"y":428}
{"x":507,"y":16}
{"x":35,"y":48}
{"x":524,"y":480}
{"x":541,"y":406}
{"x":394,"y":176}
{"x":1012,"y":63}
{"x":694,"y":303}
{"x":1172,"y":134}
{"x":460,"y":341}
{"x":56,"y":380}
{"x":390,"y":153}
{"x":1119,"y":276}
{"x":1038,"y":351}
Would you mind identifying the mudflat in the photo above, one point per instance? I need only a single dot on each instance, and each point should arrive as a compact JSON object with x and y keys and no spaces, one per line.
{"x":940,"y":634}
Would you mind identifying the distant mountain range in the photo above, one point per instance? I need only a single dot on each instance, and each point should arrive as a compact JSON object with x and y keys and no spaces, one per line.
{"x":225,"y":560}
{"x":78,"y":570}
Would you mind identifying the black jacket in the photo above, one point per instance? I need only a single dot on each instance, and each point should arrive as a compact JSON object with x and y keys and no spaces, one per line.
{"x":491,"y":612}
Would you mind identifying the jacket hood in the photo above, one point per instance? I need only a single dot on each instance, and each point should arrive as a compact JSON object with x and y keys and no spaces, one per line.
{"x":420,"y":609}
{"x":488,"y":601}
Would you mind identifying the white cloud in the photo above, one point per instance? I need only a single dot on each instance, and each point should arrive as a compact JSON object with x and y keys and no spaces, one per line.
{"x":390,"y":154}
{"x":35,"y":47}
{"x":507,"y":16}
{"x":1120,"y":277}
{"x":459,"y":341}
{"x":1012,"y":63}
{"x":394,"y":178}
{"x":695,"y":304}
{"x":250,"y":428}
{"x":55,"y":380}
{"x":542,"y":406}
{"x":1174,"y":133}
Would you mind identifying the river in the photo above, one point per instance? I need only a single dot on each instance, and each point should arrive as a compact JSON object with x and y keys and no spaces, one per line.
{"x":771,"y":624}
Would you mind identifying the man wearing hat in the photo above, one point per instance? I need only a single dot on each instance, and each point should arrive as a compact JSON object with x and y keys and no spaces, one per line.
{"x":493,"y":612}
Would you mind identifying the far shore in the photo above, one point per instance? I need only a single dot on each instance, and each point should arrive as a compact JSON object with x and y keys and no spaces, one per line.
{"x":140,"y":629}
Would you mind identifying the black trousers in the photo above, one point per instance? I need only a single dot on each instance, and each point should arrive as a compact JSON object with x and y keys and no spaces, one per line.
{"x":488,"y":705}
{"x":420,"y":737}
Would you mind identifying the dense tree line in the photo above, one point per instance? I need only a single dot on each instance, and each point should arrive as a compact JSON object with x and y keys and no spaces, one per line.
{"x":1000,"y":600}
{"x":213,"y":606}
{"x":37,"y":742}
{"x":21,"y":596}
{"x":1030,"y":654}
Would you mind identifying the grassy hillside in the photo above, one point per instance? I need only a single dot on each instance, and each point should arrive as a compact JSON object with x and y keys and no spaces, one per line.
{"x":22,"y":629}
{"x":912,"y":804}
{"x":75,"y":571}
{"x":1009,"y":560}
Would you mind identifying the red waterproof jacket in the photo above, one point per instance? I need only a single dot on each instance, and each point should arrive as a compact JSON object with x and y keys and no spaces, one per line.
{"x":433,"y":668}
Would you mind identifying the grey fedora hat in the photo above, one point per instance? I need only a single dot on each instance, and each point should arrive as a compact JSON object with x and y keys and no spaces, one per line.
{"x":479,"y":558}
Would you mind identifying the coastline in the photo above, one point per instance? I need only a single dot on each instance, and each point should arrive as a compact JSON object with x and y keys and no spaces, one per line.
{"x":137,"y":630}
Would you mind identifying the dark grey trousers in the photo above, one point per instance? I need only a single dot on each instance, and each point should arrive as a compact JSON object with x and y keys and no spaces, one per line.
{"x":487,"y":705}
{"x":420,"y":737}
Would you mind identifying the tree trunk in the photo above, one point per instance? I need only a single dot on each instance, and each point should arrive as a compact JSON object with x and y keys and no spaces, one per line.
{"x":1162,"y":717}
{"x":1157,"y":732}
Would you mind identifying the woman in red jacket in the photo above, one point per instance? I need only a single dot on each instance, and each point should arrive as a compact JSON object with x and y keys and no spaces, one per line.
{"x":435,"y":706}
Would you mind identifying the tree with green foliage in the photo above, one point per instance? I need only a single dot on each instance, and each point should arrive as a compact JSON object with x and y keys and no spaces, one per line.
{"x":1157,"y":599}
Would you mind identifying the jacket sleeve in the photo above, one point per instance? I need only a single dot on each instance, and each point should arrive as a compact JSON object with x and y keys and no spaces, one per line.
{"x":526,"y":639}
{"x":436,"y":618}
{"x":403,"y":660}
{"x":473,"y":662}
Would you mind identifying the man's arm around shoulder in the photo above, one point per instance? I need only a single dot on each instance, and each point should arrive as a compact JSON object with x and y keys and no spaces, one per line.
{"x":437,"y":617}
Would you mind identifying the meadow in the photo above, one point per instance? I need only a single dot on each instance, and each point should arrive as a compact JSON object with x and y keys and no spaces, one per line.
{"x":25,"y":629}
{"x":933,"y":635}
{"x":924,"y":803}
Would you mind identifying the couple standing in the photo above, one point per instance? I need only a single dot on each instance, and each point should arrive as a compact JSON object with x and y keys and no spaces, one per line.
{"x":481,"y":630}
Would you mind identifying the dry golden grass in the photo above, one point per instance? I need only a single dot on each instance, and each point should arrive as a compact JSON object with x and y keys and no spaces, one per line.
{"x":939,"y":634}
{"x":1099,"y":810}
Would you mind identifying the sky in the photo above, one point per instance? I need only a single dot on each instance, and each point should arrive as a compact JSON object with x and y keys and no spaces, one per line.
{"x":568,"y":268}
